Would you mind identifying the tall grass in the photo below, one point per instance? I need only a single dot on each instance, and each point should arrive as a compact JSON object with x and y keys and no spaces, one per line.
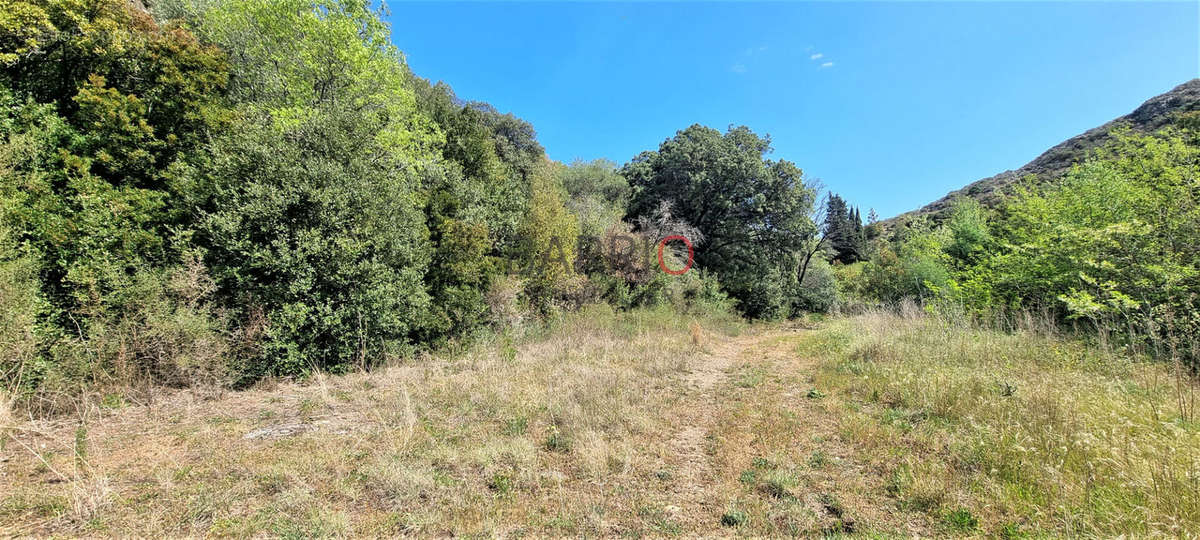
{"x":1028,"y":429}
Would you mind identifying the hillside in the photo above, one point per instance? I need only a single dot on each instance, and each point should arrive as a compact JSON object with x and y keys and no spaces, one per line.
{"x":1155,"y":113}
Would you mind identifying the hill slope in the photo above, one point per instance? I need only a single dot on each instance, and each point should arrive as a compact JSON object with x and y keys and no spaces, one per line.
{"x":1150,"y":116}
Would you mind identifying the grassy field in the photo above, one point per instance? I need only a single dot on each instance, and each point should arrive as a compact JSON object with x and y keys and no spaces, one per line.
{"x":645,"y":424}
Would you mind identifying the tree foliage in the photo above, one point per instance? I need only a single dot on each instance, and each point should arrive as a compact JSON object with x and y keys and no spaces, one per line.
{"x":1112,"y":243}
{"x":1116,"y":238}
{"x":333,"y":208}
{"x":752,"y":211}
{"x":844,"y":230}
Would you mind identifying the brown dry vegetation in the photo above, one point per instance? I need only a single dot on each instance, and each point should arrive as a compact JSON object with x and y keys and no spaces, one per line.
{"x":642,"y":424}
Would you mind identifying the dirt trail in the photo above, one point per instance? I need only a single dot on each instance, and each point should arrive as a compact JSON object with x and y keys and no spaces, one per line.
{"x":761,"y":373}
{"x":695,"y":483}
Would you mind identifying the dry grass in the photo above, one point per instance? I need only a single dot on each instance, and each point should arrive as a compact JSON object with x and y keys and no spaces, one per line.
{"x":559,"y":432}
{"x":1014,"y":433}
{"x":782,"y":466}
{"x":645,"y":424}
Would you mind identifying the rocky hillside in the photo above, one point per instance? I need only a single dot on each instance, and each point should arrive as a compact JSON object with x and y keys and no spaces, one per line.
{"x":1151,"y":115}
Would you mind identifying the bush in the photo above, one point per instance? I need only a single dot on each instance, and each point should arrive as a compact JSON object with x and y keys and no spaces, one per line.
{"x":917,"y":269}
{"x":20,"y":306}
{"x":761,"y":292}
{"x":852,"y":282}
{"x":505,"y":307}
{"x":1105,"y":244}
{"x":550,"y":235}
{"x":819,"y":291}
{"x":322,"y":229}
{"x":699,"y":292}
{"x":163,"y":329}
{"x":969,"y":237}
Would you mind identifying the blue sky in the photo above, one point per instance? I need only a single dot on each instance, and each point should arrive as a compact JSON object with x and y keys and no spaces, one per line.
{"x":889,"y":104}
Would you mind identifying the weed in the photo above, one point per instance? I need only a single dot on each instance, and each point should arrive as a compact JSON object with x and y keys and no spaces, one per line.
{"x":734,"y":518}
{"x":81,"y":447}
{"x":1010,"y":531}
{"x":307,"y":407}
{"x":898,"y":481}
{"x":557,"y":441}
{"x":112,"y":401}
{"x":832,"y":505}
{"x":777,"y":484}
{"x":819,"y":459}
{"x":501,"y":484}
{"x":516,"y":426}
{"x":751,"y":378}
{"x":961,"y":519}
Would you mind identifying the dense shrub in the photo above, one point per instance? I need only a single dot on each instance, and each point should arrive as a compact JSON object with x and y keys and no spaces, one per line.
{"x":345,"y":210}
{"x":1110,"y":244}
{"x":818,"y":293}
{"x":917,"y":268}
{"x":597,"y":196}
{"x":20,"y":308}
{"x":323,"y":230}
{"x":852,"y":282}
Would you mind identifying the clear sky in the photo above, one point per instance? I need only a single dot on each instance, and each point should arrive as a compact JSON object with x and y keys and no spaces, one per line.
{"x":889,"y":104}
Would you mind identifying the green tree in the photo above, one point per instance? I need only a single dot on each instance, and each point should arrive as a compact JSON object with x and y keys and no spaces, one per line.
{"x":969,"y":234}
{"x":598,"y":196}
{"x":312,"y":206}
{"x":104,"y":104}
{"x":483,"y":187}
{"x":752,"y":211}
{"x":551,"y":234}
{"x":139,"y":93}
{"x":844,"y":230}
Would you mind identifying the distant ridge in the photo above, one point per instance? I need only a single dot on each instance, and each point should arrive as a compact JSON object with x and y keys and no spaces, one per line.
{"x":1155,"y":113}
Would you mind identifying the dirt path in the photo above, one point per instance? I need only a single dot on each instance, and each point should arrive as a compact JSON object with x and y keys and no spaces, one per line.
{"x":754,"y":433}
{"x":694,"y":491}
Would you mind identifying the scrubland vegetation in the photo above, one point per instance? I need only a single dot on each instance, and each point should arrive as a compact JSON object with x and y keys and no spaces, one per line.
{"x":1110,"y":248}
{"x":218,"y":192}
{"x":259,"y":278}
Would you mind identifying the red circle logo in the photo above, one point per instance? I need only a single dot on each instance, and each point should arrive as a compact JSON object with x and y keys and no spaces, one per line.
{"x":663,"y":265}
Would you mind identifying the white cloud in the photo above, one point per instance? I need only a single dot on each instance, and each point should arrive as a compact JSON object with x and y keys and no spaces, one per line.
{"x":738,"y":68}
{"x":827,"y":65}
{"x":816,"y":56}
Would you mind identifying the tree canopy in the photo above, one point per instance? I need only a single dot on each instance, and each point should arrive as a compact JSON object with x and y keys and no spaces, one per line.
{"x":752,"y":211}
